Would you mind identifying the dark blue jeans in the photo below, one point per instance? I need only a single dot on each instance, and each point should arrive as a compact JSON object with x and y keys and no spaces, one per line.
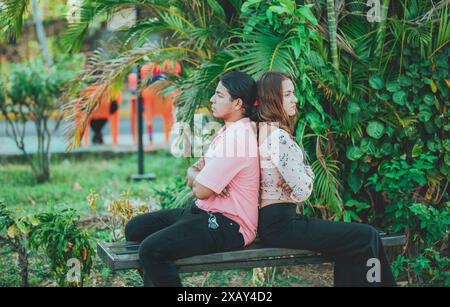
{"x":349,"y":245}
{"x":172,"y":234}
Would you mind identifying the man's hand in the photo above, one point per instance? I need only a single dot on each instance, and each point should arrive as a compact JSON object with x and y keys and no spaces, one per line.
{"x":281,"y":183}
{"x":225,"y":192}
{"x":190,"y":176}
{"x":193,"y":171}
{"x":200,"y":164}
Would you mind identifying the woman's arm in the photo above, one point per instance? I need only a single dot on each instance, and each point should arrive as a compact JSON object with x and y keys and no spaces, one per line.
{"x":288,"y":158}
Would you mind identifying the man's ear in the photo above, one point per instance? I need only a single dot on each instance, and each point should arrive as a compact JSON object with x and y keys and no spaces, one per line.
{"x":238,"y":104}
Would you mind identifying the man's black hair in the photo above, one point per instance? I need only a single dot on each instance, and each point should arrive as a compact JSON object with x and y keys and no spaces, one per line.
{"x":241,"y":85}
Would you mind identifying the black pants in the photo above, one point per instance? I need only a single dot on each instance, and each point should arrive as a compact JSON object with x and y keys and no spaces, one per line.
{"x":349,"y":245}
{"x":168,"y":235}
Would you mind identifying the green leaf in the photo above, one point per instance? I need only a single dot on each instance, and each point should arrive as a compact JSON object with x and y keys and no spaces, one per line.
{"x":405,"y":81}
{"x":34,"y":220}
{"x":354,"y":153}
{"x":353,"y":107}
{"x":355,"y":181}
{"x":216,"y":7}
{"x":306,"y":12}
{"x":447,"y":158}
{"x":446,"y":144}
{"x":375,"y":129}
{"x":354,"y":216}
{"x":400,"y":97}
{"x":424,"y":113}
{"x":249,"y":3}
{"x":376,"y":82}
{"x":12,"y":231}
{"x":393,"y":86}
{"x":23,"y":227}
{"x":387,"y":148}
{"x":347,"y":216}
{"x":278,"y":9}
{"x":429,"y":99}
{"x":367,"y":146}
{"x":383,"y":96}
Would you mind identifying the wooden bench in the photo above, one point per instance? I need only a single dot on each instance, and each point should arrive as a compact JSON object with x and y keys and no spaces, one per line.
{"x":124,"y":256}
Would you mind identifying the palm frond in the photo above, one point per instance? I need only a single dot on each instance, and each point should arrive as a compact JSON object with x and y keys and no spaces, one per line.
{"x":106,"y":74}
{"x":12,"y":14}
{"x":325,"y":78}
{"x":91,"y":9}
{"x":443,"y":35}
{"x":197,"y":89}
{"x":326,"y":184}
{"x":261,"y":51}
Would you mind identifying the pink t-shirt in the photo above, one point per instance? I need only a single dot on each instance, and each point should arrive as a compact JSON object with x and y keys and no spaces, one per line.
{"x":232,"y":159}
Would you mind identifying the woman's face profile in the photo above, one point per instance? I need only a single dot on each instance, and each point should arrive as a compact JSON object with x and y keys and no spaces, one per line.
{"x":289,"y":99}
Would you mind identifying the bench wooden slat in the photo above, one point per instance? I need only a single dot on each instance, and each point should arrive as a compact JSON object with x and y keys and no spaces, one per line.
{"x":123,"y":255}
{"x":235,"y":265}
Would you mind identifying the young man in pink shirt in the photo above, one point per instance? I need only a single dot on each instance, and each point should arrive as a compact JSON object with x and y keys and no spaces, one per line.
{"x":226,"y":184}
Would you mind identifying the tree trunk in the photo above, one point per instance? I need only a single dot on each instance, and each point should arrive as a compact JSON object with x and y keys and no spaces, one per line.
{"x":381,"y":33}
{"x":23,"y":264}
{"x":43,"y":153}
{"x":332,"y":32}
{"x":40,"y":31}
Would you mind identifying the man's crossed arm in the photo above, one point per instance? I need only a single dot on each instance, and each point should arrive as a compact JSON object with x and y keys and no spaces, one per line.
{"x":199,"y":190}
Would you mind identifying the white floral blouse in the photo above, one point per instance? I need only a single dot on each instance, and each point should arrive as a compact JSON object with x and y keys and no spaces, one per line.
{"x":282,"y":158}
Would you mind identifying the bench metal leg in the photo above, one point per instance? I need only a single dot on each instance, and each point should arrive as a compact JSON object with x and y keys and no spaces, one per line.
{"x":147,"y":281}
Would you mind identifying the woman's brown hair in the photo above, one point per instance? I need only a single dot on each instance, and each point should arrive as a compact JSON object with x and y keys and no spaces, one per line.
{"x":270,"y":104}
{"x":270,"y":101}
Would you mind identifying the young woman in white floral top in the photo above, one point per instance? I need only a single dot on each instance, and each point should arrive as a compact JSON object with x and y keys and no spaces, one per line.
{"x":287,"y":179}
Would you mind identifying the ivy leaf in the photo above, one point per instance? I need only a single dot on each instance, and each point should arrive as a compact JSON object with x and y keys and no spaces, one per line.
{"x":393,"y":86}
{"x":400,"y":98}
{"x":353,"y":107}
{"x":425,"y":113}
{"x":428,"y":99}
{"x":354,"y":153}
{"x":384,"y":96}
{"x":376,"y":82}
{"x":375,"y":129}
{"x":387,"y":148}
{"x":405,"y":81}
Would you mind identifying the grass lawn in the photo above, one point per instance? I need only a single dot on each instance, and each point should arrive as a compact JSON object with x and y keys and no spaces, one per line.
{"x":72,"y":180}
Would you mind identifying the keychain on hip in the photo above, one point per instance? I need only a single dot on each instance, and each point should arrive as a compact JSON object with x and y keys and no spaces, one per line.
{"x":212,"y":222}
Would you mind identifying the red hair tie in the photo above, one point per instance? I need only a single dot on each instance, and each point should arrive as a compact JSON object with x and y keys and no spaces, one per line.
{"x":255,"y":104}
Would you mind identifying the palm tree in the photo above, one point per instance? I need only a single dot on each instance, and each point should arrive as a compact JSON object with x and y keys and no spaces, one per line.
{"x":11,"y":21}
{"x":195,"y":32}
{"x":41,"y":33}
{"x":332,"y":30}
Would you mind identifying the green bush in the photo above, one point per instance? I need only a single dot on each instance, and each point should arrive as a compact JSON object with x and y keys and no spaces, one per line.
{"x":31,"y":91}
{"x":426,"y":224}
{"x":57,"y":234}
